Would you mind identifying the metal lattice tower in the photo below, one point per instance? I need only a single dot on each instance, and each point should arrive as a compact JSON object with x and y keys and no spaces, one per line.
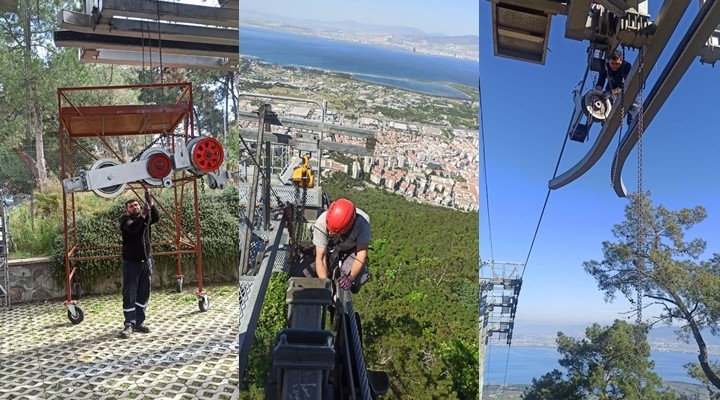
{"x":500,"y":284}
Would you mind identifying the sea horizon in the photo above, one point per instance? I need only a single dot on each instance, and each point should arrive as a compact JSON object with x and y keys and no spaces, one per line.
{"x":522,"y":364}
{"x":418,"y":73}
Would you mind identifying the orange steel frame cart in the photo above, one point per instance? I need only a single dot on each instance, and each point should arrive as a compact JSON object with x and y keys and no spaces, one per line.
{"x":94,"y":128}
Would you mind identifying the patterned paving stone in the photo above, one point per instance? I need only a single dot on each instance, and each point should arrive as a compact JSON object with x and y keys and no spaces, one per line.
{"x":187,"y":355}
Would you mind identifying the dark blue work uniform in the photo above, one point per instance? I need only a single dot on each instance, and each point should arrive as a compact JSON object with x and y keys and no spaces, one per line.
{"x":137,"y":265}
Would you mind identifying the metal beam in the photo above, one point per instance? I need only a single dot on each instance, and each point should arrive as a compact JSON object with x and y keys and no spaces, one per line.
{"x":96,"y":41}
{"x":325,"y":127}
{"x":577,"y":17}
{"x":107,"y":56}
{"x":281,"y":138}
{"x":231,"y":4}
{"x":547,"y":6}
{"x":690,"y":46}
{"x":668,"y":18}
{"x":79,"y":22}
{"x":174,"y":12}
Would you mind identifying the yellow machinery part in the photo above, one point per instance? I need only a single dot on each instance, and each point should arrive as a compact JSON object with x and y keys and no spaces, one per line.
{"x":303,"y":176}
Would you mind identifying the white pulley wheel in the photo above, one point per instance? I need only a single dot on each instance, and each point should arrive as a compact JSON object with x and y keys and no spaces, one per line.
{"x":110,"y":191}
{"x":596,"y":105}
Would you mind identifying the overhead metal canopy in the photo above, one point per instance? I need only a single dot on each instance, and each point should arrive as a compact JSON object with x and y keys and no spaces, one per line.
{"x":138,"y":32}
{"x":173,"y":12}
{"x":520,"y":32}
{"x":668,"y":18}
{"x":118,"y":26}
{"x":687,"y":50}
{"x":92,"y":40}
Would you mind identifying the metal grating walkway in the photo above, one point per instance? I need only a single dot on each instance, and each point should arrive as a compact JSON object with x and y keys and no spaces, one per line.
{"x":187,"y":355}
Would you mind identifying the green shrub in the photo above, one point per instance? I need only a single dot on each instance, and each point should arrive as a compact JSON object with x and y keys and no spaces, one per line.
{"x":98,"y":228}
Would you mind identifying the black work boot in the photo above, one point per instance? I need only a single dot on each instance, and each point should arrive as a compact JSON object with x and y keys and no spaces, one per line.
{"x":125,"y":334}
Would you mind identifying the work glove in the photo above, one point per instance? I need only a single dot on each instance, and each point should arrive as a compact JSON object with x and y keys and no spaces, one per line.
{"x":146,"y":210}
{"x":148,"y":199}
{"x":346,"y":282}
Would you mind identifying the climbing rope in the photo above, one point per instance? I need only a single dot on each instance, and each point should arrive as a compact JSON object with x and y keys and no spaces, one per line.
{"x":162,"y":71}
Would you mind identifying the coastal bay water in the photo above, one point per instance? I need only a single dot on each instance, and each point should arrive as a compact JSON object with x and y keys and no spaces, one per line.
{"x":525,"y":363}
{"x":403,"y":69}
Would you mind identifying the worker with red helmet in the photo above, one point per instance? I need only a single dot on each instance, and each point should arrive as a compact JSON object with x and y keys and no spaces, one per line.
{"x":343,"y":231}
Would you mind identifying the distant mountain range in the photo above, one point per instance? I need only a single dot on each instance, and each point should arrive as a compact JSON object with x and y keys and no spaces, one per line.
{"x":659,"y":337}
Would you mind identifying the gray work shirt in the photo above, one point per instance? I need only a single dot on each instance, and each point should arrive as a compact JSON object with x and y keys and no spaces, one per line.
{"x":358,"y":235}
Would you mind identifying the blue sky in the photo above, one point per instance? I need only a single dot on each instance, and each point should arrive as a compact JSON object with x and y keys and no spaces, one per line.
{"x":449,"y":17}
{"x":526,"y":110}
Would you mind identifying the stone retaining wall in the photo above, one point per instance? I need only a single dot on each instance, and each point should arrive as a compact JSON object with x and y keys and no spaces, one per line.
{"x":30,"y":280}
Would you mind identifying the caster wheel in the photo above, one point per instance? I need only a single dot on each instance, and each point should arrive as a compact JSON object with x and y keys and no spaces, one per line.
{"x":178,"y":285}
{"x":77,"y":317}
{"x":204,"y":304}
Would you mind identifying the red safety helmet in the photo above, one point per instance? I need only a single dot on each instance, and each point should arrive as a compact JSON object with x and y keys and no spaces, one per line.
{"x":340,"y":216}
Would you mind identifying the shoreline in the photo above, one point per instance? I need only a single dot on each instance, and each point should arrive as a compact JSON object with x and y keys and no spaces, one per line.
{"x":514,"y":391}
{"x":303,"y":32}
{"x":352,"y":76}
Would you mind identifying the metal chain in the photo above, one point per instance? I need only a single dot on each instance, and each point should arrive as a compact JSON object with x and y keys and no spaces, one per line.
{"x":301,"y":216}
{"x":622,"y":115}
{"x":294,"y":247}
{"x":298,"y":219}
{"x":640,"y":182}
{"x":641,"y":232}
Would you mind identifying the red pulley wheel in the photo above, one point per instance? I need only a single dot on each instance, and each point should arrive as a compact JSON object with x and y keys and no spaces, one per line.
{"x":207,"y":154}
{"x":159,"y":165}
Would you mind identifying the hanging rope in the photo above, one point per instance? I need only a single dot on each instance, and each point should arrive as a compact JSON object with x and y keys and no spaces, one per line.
{"x":162,"y":72}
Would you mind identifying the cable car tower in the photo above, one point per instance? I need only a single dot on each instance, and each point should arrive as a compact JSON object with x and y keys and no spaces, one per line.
{"x":500,"y":284}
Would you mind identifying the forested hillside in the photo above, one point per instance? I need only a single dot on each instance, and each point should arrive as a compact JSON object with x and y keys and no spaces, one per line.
{"x":419,"y":312}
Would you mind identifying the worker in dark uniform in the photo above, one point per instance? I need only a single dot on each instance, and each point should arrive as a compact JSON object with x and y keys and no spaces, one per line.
{"x":613,"y":78}
{"x":137,"y":262}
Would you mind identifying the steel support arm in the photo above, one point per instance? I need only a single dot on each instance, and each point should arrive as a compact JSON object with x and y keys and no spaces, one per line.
{"x":97,"y":41}
{"x":688,"y":49}
{"x":668,"y":18}
{"x":174,"y":12}
{"x":79,"y":22}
